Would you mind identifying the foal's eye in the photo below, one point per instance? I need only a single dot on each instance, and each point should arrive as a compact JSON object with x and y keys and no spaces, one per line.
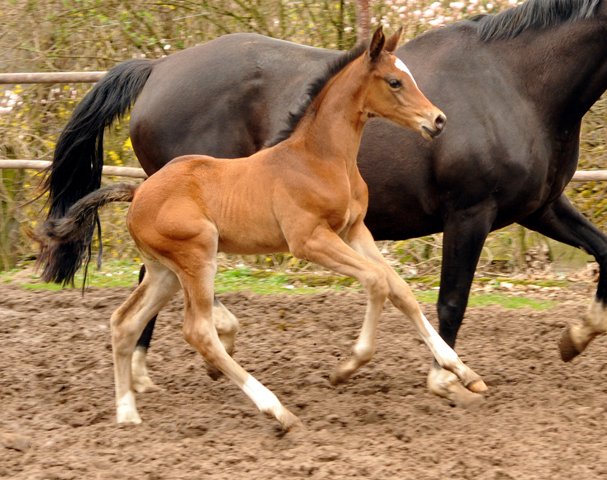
{"x":395,"y":83}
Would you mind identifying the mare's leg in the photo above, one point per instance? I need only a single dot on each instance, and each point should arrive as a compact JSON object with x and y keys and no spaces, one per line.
{"x":563,"y":222}
{"x":227,"y":328}
{"x":402,"y":298}
{"x":127,"y":323}
{"x":465,"y":233}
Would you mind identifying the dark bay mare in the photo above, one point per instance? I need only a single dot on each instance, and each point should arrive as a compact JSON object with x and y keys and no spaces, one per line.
{"x":514,"y":87}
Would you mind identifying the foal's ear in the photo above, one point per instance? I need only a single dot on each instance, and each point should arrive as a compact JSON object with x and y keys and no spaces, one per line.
{"x":377,"y":44}
{"x":392,"y":40}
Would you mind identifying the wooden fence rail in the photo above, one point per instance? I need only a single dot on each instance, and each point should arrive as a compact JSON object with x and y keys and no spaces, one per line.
{"x":579,"y":176}
{"x":41,"y":164}
{"x":51,"y":77}
{"x":93,"y":77}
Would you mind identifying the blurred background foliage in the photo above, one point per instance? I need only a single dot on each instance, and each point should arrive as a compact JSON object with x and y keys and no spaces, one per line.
{"x":91,"y":35}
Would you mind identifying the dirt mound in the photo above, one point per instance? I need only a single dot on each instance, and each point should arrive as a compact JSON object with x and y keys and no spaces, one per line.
{"x":541,"y":419}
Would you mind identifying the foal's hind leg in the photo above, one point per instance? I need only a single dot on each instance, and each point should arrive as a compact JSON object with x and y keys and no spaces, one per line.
{"x":227,"y":327}
{"x":401,"y":296}
{"x":141,"y":377}
{"x":127,"y":323}
{"x":199,"y":331}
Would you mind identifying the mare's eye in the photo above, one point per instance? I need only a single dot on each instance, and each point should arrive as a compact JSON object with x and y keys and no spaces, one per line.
{"x":395,"y":83}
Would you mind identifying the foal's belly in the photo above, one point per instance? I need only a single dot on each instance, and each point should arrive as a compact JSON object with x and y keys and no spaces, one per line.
{"x":252,"y":244}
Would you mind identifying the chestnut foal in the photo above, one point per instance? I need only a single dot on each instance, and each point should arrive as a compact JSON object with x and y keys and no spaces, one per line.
{"x":304,"y":195}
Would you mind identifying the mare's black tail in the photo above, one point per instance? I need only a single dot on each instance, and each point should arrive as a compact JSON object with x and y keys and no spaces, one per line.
{"x":78,"y":158}
{"x":65,"y":242}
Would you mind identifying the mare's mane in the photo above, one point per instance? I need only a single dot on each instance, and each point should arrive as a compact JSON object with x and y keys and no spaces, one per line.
{"x":533,"y":14}
{"x":314,"y":88}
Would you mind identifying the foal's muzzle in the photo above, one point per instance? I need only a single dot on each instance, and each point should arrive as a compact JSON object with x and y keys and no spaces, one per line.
{"x":433,"y":128}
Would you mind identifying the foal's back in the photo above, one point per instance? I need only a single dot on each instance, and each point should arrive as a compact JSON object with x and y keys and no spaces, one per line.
{"x":227,"y":197}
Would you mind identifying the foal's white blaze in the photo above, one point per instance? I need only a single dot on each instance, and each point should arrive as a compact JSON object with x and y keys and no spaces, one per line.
{"x":126,"y":411}
{"x":265,"y":400}
{"x":398,"y":63}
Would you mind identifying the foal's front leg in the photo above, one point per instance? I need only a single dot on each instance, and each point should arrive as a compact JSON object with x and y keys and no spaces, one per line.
{"x":401,"y":296}
{"x":326,"y":248}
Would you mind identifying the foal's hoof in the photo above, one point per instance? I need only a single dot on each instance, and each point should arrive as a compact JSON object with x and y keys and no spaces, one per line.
{"x":477,"y":386}
{"x":459,"y":396}
{"x":289,"y":421}
{"x":569,"y":350}
{"x":128,"y":417}
{"x":144,"y":384}
{"x":213,"y":371}
{"x":468,"y":400}
{"x":336,"y":379}
{"x":445,"y":384}
{"x":341,"y":374}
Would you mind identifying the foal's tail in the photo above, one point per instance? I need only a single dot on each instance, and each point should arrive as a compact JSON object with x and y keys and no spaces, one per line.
{"x":78,"y":158}
{"x":65,"y":243}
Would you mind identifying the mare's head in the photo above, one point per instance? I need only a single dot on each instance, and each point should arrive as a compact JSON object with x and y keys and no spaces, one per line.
{"x":393,"y":93}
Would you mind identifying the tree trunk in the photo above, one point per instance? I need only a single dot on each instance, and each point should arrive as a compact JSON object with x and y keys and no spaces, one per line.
{"x":362,"y":20}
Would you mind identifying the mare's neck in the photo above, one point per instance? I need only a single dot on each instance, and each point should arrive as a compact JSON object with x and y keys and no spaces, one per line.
{"x":333,"y":129}
{"x":564,"y":69}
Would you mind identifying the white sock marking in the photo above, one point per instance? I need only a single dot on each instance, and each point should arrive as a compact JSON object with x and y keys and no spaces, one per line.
{"x":398,"y":63}
{"x":126,"y":411}
{"x":443,"y":352}
{"x":265,"y":400}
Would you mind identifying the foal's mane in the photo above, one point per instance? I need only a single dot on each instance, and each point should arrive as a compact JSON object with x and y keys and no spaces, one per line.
{"x":533,"y":14}
{"x":314,"y":88}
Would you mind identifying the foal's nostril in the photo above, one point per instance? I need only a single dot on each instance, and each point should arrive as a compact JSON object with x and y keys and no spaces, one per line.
{"x":440,"y":121}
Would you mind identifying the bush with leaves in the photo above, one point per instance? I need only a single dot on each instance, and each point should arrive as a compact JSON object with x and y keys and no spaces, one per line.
{"x":91,"y":35}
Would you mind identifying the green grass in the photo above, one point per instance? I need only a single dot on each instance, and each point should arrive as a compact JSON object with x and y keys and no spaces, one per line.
{"x":482,"y":299}
{"x":126,"y":274}
{"x":112,"y":274}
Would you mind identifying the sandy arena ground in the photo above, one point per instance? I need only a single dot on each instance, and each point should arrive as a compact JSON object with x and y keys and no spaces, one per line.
{"x":542,"y":419}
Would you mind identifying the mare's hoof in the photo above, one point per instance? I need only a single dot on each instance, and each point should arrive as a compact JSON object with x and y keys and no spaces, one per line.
{"x":568,"y":349}
{"x":213,"y":371}
{"x":477,"y":386}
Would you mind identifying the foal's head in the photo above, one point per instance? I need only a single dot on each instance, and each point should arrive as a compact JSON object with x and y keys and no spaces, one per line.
{"x":393,"y":93}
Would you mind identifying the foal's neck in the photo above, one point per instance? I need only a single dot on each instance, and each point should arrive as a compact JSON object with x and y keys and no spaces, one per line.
{"x":333,"y":126}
